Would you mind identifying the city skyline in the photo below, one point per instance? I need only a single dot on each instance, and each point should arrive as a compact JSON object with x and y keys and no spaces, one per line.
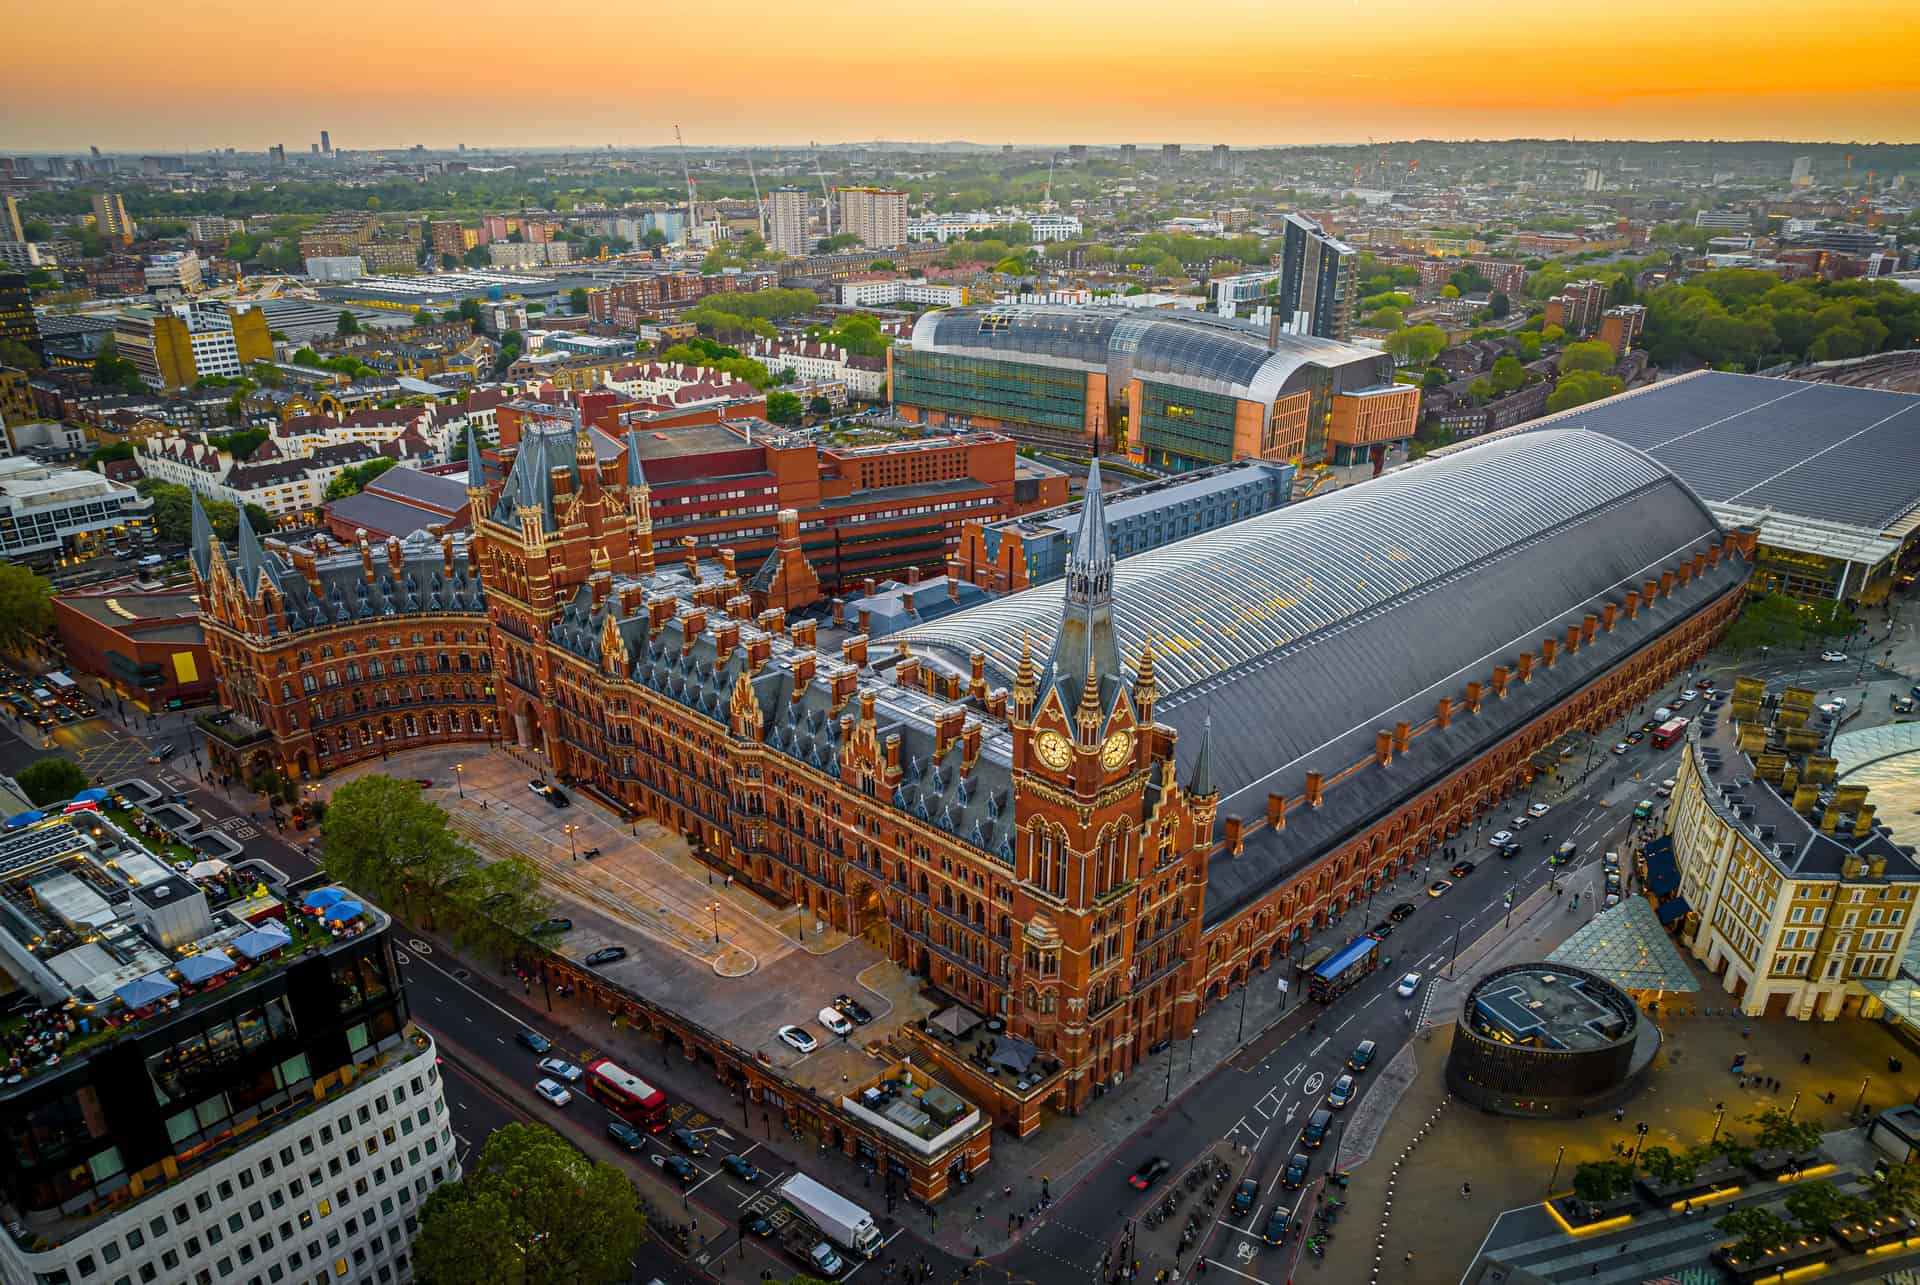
{"x":1379,"y":69}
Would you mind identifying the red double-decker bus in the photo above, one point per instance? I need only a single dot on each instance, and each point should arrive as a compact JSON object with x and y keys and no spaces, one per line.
{"x":1669,"y":732}
{"x":627,"y":1095}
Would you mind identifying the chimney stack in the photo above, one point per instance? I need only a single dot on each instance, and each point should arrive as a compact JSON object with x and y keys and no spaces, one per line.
{"x":1383,"y":747}
{"x":854,"y":650}
{"x":1589,"y":627}
{"x":1402,"y":736}
{"x":1525,"y":661}
{"x":1277,"y":812}
{"x":802,"y":674}
{"x":690,"y":556}
{"x":1633,"y":603}
{"x":1313,"y":789}
{"x":1233,"y":829}
{"x":1608,"y":615}
{"x":1499,"y":680}
{"x":1443,"y":711}
{"x":1549,"y":648}
{"x":726,"y":637}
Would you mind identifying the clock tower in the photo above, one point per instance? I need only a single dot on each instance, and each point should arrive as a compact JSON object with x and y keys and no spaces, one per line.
{"x":1100,"y":822}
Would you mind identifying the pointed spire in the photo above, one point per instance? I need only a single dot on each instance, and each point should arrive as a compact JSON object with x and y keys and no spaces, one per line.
{"x":1026,"y":683}
{"x":253,"y":559}
{"x":1086,"y":617}
{"x":1200,"y":783}
{"x":1091,"y":543}
{"x":1146,"y":689}
{"x":635,"y":476}
{"x":1089,"y":712}
{"x":476,"y":467}
{"x":202,"y":538}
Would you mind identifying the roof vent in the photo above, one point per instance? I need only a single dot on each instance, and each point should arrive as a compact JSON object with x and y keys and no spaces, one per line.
{"x":161,"y":891}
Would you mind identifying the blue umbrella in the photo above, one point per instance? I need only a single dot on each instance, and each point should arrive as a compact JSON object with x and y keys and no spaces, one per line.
{"x":142,"y":991}
{"x":341,"y":911}
{"x":198,"y":968}
{"x":321,"y":898}
{"x":20,"y":819}
{"x":95,"y":795}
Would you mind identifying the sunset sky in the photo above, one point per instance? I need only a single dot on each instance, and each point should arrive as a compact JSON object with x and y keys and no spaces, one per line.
{"x":195,"y":74}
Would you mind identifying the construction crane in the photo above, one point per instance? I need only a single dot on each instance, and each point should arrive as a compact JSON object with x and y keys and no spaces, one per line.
{"x":825,"y":195}
{"x":759,"y":211}
{"x":692,"y":218}
{"x":1046,"y":197}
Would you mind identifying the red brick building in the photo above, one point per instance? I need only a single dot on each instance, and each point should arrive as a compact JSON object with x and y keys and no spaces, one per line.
{"x":626,"y":303}
{"x":148,"y":647}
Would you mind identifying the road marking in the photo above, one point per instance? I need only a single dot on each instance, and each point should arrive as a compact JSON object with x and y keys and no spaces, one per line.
{"x":1314,"y":1082}
{"x":1272,"y":1095}
{"x":1324,"y":1041}
{"x":1246,"y":1258}
{"x":1294,"y":1075}
{"x":1343,"y":1025}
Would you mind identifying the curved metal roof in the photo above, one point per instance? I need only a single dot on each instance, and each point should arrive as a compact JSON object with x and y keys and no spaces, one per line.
{"x":1189,"y":349}
{"x":1228,"y":597}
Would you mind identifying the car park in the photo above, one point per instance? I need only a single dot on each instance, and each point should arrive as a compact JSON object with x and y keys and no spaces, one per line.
{"x":1408,"y":984}
{"x":796,"y":1037}
{"x":560,"y":1069}
{"x":835,"y":1022}
{"x":1244,"y":1195}
{"x":1439,"y":887}
{"x":1362,"y":1056}
{"x":1297,"y":1166}
{"x":1151,"y":1170}
{"x":606,"y":955}
{"x":740,"y":1167}
{"x":625,"y":1135}
{"x":1500,"y":837}
{"x":1341,"y":1093}
{"x":687,"y":1140}
{"x":683,"y":1170}
{"x":533,"y":1040}
{"x":554,"y":1092}
{"x":1402,"y":911}
{"x":1460,"y":869}
{"x":853,"y":1008}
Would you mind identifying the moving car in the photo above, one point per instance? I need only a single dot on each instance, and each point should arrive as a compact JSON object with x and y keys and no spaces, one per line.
{"x":1621,"y":747}
{"x":533,"y":1040}
{"x":1520,"y":822}
{"x":560,"y":1069}
{"x":740,"y":1167}
{"x":1636,"y":736}
{"x":1666,"y":788}
{"x":606,"y":955}
{"x":795,"y":1037}
{"x":1509,"y":850}
{"x":853,"y":1008}
{"x":1314,"y":1132}
{"x":161,"y":752}
{"x":687,"y":1140}
{"x":1401,"y":911}
{"x":1564,"y":853}
{"x":1611,"y":861}
{"x":1500,"y":837}
{"x":558,"y":924}
{"x":1297,"y":1165}
{"x":1151,"y":1170}
{"x":1341,"y":1093}
{"x":683,"y":1169}
{"x":1537,"y":809}
{"x":1689,"y":694}
{"x":832,"y":1019}
{"x":1460,"y":869}
{"x":625,"y":1134}
{"x":1408,"y":984}
{"x":554,"y":1092}
{"x":1382,"y":930}
{"x":1438,"y":888}
{"x":1643,"y":810}
{"x":1244,"y":1195}
{"x":1833,"y":657}
{"x":1362,"y":1056}
{"x":1278,"y":1223}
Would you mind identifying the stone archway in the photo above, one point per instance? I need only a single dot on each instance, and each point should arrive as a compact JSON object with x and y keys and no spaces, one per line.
{"x":867,"y":915}
{"x":526,"y":728}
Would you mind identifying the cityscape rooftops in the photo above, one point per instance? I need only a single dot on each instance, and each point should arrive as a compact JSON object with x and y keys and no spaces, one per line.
{"x":1546,"y":1008}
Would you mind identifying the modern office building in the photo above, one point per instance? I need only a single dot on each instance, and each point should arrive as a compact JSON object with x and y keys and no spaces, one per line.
{"x":1128,"y":151}
{"x":11,"y":228}
{"x":1222,"y":158}
{"x":217,"y":1085}
{"x":790,"y":220}
{"x":877,"y":215}
{"x":150,"y":648}
{"x":1192,"y":389}
{"x":1829,"y":474}
{"x":1319,"y":281}
{"x":1169,"y":152}
{"x":1790,"y":889}
{"x":1542,"y":1040}
{"x":48,"y":512}
{"x":110,"y":219}
{"x":17,"y":320}
{"x":175,"y":345}
{"x":175,"y":271}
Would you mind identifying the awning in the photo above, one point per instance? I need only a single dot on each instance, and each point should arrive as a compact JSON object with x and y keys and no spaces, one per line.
{"x":261,"y":942}
{"x":142,"y":991}
{"x":1675,"y":909}
{"x":206,"y":965}
{"x":1663,"y":873}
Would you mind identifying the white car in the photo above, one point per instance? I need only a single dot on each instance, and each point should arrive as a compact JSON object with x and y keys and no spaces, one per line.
{"x":1841,"y":701}
{"x":1833,"y":656}
{"x":1521,"y":823}
{"x":1537,"y":810}
{"x":834,"y":1022}
{"x":796,"y":1038}
{"x":560,"y":1069}
{"x":1666,"y":788}
{"x":1689,"y":694}
{"x":1621,"y":747}
{"x":554,"y":1092}
{"x":1500,"y":837}
{"x":1408,"y":985}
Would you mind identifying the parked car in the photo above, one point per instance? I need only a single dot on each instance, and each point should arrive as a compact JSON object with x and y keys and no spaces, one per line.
{"x":1666,"y":788}
{"x":795,"y":1037}
{"x":1438,"y":888}
{"x":687,"y":1140}
{"x":835,"y":1021}
{"x":1382,"y":930}
{"x":606,"y":955}
{"x":1362,"y":1056}
{"x":1408,"y":984}
{"x":1341,"y":1093}
{"x":558,"y":924}
{"x":1151,"y":1170}
{"x":825,"y":1259}
{"x":1401,"y":911}
{"x":533,"y":1040}
{"x":1621,"y":747}
{"x":554,"y":1092}
{"x":560,"y":1069}
{"x":853,"y":1008}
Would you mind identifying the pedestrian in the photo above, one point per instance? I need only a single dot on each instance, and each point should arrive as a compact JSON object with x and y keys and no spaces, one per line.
{"x":1409,"y":1257}
{"x":1008,"y":1191}
{"x":1466,"y":1191}
{"x":1619,"y":1114}
{"x":1806,"y":1059}
{"x":1687,"y":1209}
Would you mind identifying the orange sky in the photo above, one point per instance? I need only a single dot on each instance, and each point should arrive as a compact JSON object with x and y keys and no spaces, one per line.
{"x":194,"y":74}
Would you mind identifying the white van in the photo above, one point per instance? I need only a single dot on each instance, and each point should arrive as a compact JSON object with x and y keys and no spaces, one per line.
{"x":1662,"y":714}
{"x":151,"y":562}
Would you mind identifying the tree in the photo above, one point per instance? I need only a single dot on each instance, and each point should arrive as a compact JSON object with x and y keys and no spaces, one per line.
{"x":1529,"y":341}
{"x":819,"y":407}
{"x":348,"y":324}
{"x":111,"y":370}
{"x":1588,"y":355}
{"x":381,"y":835}
{"x":531,"y":1208}
{"x":1755,"y":1231}
{"x":496,"y":905}
{"x":51,"y":780}
{"x":1507,"y":374}
{"x":1500,"y":305}
{"x":258,"y":518}
{"x":1776,"y":1130}
{"x":577,"y":298}
{"x":1581,"y":387}
{"x":1775,"y":620}
{"x":1670,"y":1168}
{"x":1894,"y":1190}
{"x":1816,"y":1206}
{"x":423,"y":317}
{"x":1449,"y":291}
{"x":1599,"y":1181}
{"x":104,"y":454}
{"x":1416,"y":345}
{"x":1481,"y":391}
{"x":1385,"y":319}
{"x":653,"y":238}
{"x":353,"y":480}
{"x":469,"y":310}
{"x":1552,"y":334}
{"x":507,"y":353}
{"x":784,"y":408}
{"x":477,"y":257}
{"x":17,"y":355}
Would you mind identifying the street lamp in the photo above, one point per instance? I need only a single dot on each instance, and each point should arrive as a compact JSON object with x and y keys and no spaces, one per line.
{"x":1191,"y":1041}
{"x":573,"y":848}
{"x":714,"y":906}
{"x":1455,"y":953}
{"x":1639,"y":1141}
{"x":457,"y":783}
{"x":1861,"y":1100}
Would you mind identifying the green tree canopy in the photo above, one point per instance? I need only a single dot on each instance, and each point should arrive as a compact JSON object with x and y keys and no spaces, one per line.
{"x":727,"y":361}
{"x":784,"y":408}
{"x":17,"y":355}
{"x":1755,"y":1230}
{"x":860,"y":336}
{"x":1507,"y":374}
{"x":1815,"y":1206}
{"x":380,"y":835}
{"x":1552,"y":334}
{"x":51,"y":780}
{"x":819,"y":407}
{"x":111,"y":370}
{"x":348,"y":324}
{"x":1775,"y":1129}
{"x":477,"y":257}
{"x":1894,"y":1190}
{"x":1529,"y":342}
{"x":1416,"y":345}
{"x":577,"y":298}
{"x":1581,"y":387}
{"x":1386,"y":319}
{"x":424,"y":318}
{"x":532,"y":1209}
{"x":1602,"y":1180}
{"x":26,"y":607}
{"x":1587,"y":355}
{"x":353,"y":480}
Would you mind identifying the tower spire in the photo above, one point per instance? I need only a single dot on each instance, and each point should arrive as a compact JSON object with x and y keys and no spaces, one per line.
{"x":1200,"y":783}
{"x":1085,"y":640}
{"x":1088,"y":716}
{"x":1026,"y":683}
{"x":1146,"y":689}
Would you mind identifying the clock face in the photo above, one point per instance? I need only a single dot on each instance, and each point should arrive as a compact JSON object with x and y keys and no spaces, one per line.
{"x":1116,"y":750}
{"x":1053,"y":749}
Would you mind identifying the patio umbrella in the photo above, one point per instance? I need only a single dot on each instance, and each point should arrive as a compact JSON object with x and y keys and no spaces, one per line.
{"x":20,"y":819}
{"x":261,"y":942}
{"x":95,"y":795}
{"x":321,"y":898}
{"x":209,"y":869}
{"x":142,"y":991}
{"x":207,"y":964}
{"x":341,"y":911}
